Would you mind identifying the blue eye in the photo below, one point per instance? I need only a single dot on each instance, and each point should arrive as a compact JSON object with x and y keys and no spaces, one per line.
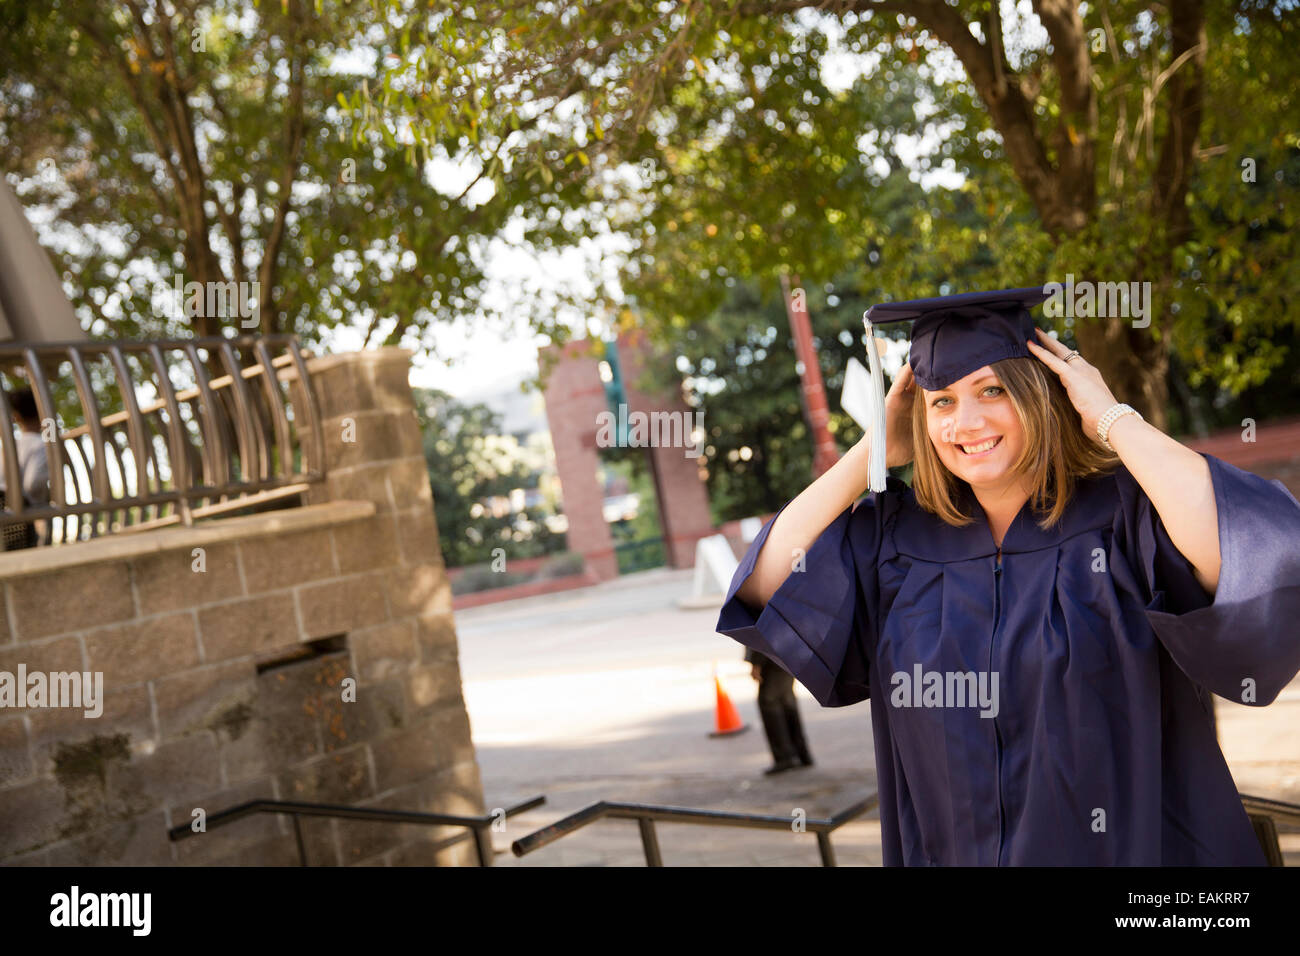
{"x":994,"y":388}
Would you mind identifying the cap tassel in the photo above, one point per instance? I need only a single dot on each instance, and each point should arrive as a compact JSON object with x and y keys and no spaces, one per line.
{"x":876,"y":470}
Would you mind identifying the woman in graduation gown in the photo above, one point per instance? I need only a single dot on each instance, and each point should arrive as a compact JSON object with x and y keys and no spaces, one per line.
{"x":1039,"y":673}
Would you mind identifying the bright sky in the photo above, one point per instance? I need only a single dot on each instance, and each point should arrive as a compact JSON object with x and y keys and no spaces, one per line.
{"x":476,"y":357}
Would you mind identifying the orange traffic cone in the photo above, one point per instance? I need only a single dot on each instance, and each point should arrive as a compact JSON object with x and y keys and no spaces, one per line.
{"x":727,"y":719}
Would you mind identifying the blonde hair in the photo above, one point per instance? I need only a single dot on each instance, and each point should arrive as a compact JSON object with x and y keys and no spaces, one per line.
{"x":1056,"y":452}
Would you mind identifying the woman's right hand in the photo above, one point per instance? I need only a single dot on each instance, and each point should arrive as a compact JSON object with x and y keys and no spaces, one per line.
{"x":898,"y":419}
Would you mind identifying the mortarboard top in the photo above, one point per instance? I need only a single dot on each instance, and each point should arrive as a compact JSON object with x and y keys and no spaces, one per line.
{"x":952,"y":336}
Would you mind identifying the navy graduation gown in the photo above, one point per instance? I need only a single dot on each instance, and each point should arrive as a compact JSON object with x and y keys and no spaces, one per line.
{"x":1102,"y":750}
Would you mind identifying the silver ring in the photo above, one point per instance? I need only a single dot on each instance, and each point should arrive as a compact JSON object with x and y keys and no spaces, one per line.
{"x":1074,"y":354}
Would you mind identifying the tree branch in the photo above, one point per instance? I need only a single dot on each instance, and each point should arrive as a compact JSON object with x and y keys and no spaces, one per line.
{"x":1182,"y":135}
{"x":1076,"y":134}
{"x":293,"y":134}
{"x":1011,"y":113}
{"x":179,"y":121}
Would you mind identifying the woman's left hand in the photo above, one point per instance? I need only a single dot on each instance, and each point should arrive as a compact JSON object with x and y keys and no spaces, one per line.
{"x":1083,"y":383}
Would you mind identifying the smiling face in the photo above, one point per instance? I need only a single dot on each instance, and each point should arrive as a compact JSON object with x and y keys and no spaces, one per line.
{"x":975,"y":430}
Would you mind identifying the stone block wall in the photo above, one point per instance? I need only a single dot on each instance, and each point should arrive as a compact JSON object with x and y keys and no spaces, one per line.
{"x":224,"y":649}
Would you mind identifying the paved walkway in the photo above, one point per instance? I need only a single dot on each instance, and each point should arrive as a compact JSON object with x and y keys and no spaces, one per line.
{"x":607,"y":693}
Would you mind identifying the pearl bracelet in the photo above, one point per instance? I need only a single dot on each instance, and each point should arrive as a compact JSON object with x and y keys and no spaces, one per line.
{"x":1113,"y":414}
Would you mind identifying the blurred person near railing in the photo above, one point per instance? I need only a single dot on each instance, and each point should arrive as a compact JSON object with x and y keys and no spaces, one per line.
{"x":33,"y":466}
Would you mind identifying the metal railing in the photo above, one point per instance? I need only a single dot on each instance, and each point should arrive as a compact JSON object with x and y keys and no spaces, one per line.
{"x":190,"y":428}
{"x":1264,"y":816}
{"x":646,"y":815}
{"x":477,"y":827}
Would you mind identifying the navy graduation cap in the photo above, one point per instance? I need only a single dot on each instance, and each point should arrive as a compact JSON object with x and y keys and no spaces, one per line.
{"x":952,"y":336}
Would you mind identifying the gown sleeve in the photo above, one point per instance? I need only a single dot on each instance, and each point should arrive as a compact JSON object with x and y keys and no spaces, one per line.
{"x":812,"y":626}
{"x":1243,"y":644}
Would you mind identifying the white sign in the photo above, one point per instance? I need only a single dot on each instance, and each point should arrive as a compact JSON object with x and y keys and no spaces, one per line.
{"x":715,"y":566}
{"x":856,"y":398}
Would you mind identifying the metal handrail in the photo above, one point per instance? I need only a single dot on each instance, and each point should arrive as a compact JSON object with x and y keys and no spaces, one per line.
{"x":1265,"y":815}
{"x":646,"y":814}
{"x":478,"y":827}
{"x":1288,"y":813}
{"x":252,"y":433}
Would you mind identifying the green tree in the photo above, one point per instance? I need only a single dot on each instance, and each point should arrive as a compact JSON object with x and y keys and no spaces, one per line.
{"x":638,"y":541}
{"x":739,"y":362}
{"x":207,"y":139}
{"x":739,"y":367}
{"x":469,"y":461}
{"x":1081,"y":130}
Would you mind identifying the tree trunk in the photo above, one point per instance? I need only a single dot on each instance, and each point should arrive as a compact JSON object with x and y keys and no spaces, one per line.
{"x":1135,"y":362}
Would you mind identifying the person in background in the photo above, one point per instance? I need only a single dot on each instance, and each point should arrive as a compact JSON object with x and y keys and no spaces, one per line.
{"x":780,"y":713}
{"x":33,"y":467}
